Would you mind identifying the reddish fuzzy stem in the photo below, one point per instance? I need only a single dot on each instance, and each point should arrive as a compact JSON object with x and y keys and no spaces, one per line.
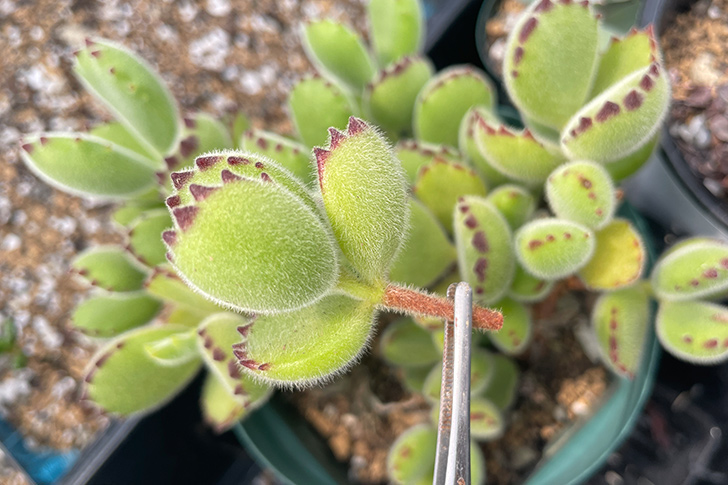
{"x":414,"y":302}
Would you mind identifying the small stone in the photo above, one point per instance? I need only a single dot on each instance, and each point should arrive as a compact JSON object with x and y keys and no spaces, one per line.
{"x":218,"y":8}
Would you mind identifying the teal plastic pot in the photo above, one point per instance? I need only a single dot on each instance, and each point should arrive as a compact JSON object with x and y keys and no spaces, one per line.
{"x":279,"y":439}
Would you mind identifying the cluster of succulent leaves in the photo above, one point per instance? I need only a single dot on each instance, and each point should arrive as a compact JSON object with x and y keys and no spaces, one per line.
{"x":293,"y":247}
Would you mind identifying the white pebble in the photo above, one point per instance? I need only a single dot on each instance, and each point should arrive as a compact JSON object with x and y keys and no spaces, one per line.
{"x":218,"y":8}
{"x":210,"y":51}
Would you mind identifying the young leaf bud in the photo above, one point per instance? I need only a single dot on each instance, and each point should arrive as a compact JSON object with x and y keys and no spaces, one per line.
{"x":107,"y":316}
{"x":514,"y":202}
{"x":517,"y":329}
{"x":288,"y":153}
{"x":468,"y":145}
{"x":526,"y":288}
{"x":397,"y":28}
{"x":315,"y":105}
{"x":416,"y":154}
{"x":110,"y":268}
{"x":406,"y":344}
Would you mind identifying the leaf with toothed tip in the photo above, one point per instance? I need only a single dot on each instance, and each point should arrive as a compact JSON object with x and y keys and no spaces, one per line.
{"x":201,"y":134}
{"x":220,"y":409}
{"x":552,"y":248}
{"x":619,"y":257}
{"x":624,"y":167}
{"x":168,"y":287}
{"x":468,"y":145}
{"x":527,"y":288}
{"x":481,"y":373}
{"x":503,"y":388}
{"x":517,"y":329}
{"x":116,"y":133}
{"x":620,"y":120}
{"x":365,"y":195}
{"x":446,"y":98}
{"x":307,"y":346}
{"x":337,"y":52}
{"x":440,"y":184}
{"x":698,"y":268}
{"x":219,"y":168}
{"x":109,"y":315}
{"x":219,"y":241}
{"x":635,"y":51}
{"x":411,"y":459}
{"x":486,"y":420}
{"x":397,"y":28}
{"x":131,"y":210}
{"x":390,"y":98}
{"x":406,"y":344}
{"x":87,"y":165}
{"x":288,"y":153}
{"x":427,"y":252}
{"x":110,"y":268}
{"x":145,"y":236}
{"x":217,"y":335}
{"x":175,"y":350}
{"x":413,"y":155}
{"x":484,"y":243}
{"x":694,"y":331}
{"x":582,"y":192}
{"x":315,"y":105}
{"x":514,"y":202}
{"x":131,"y":89}
{"x":124,"y":379}
{"x":516,"y":154}
{"x":548,"y":36}
{"x":620,"y":321}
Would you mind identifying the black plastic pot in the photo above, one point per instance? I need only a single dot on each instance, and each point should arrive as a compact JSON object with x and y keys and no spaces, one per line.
{"x":667,"y":189}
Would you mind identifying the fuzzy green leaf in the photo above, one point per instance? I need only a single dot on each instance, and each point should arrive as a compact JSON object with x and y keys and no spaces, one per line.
{"x":237,"y":124}
{"x":624,"y":167}
{"x":414,"y":155}
{"x":338,"y":52}
{"x":582,"y":192}
{"x":516,"y":154}
{"x":619,"y":257}
{"x":110,"y":315}
{"x":123,"y":378}
{"x":503,"y":388}
{"x":514,"y":202}
{"x":440,"y":184}
{"x":145,"y":236}
{"x":307,"y":346}
{"x":390,"y":98}
{"x":117,"y":134}
{"x":548,"y":37}
{"x":468,"y":145}
{"x":427,"y":252}
{"x":288,"y":153}
{"x":553,"y":248}
{"x":623,"y":57}
{"x":517,"y":329}
{"x":696,"y":269}
{"x":88,"y":166}
{"x":486,"y":420}
{"x":397,"y":28}
{"x":220,"y":240}
{"x":220,"y":409}
{"x":167,"y":286}
{"x":131,"y":210}
{"x":481,"y":374}
{"x":133,"y":92}
{"x":406,"y":344}
{"x":365,"y":195}
{"x":201,"y":133}
{"x":621,"y":120}
{"x":315,"y":105}
{"x":527,"y":288}
{"x":175,"y":350}
{"x":110,"y":268}
{"x":411,"y":459}
{"x":446,"y":98}
{"x":217,"y":335}
{"x":485,"y":249}
{"x":694,"y":331}
{"x":620,"y":320}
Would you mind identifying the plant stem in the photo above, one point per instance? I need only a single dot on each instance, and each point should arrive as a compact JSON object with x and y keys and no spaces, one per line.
{"x":416,"y":302}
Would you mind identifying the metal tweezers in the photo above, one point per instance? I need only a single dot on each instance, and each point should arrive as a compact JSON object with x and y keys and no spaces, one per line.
{"x":452,"y":459}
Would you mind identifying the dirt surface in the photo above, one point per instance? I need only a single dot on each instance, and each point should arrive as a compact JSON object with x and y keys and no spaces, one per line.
{"x":559,"y":384}
{"x":696,"y":53}
{"x":216,"y":55}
